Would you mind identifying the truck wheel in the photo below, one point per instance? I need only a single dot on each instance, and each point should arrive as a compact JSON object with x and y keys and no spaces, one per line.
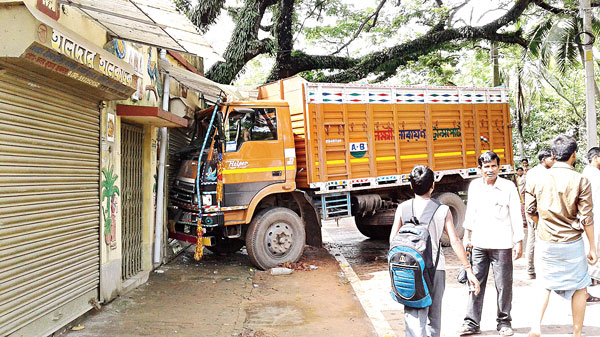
{"x":457,"y":209}
{"x":275,"y":236}
{"x":378,"y":226}
{"x":225,"y":246}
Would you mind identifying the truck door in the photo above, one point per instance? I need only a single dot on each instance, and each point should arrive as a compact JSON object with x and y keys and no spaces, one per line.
{"x":253,"y":156}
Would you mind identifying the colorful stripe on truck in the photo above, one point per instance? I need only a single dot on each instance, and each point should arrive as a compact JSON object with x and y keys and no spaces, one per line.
{"x":361,"y":94}
{"x":394,"y":180}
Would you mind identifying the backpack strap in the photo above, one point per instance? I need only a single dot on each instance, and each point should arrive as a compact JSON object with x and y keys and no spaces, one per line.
{"x":428,"y":214}
{"x":407,"y":211}
{"x":429,"y":211}
{"x":434,"y":203}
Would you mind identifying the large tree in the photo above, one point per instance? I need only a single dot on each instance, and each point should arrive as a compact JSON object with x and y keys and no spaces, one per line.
{"x":282,"y":21}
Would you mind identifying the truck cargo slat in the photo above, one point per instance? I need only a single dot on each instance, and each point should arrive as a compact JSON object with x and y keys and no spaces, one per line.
{"x":370,"y":131}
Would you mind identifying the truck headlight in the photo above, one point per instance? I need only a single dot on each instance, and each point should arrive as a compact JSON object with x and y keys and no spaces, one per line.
{"x":207,"y":199}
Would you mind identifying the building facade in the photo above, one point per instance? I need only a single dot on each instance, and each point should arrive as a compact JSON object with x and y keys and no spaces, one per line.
{"x":79,"y":118}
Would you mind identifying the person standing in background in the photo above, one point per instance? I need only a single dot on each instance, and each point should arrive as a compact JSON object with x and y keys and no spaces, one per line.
{"x":521,"y":181}
{"x":560,"y":203}
{"x":525,"y":165}
{"x":592,"y":172}
{"x":546,"y":160}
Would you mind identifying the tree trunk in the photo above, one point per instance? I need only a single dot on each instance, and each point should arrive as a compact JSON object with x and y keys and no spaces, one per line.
{"x":520,"y":105}
{"x":244,"y":44}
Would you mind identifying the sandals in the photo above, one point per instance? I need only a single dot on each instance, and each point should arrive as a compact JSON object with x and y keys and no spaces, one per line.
{"x":506,"y":331}
{"x":592,"y":299}
{"x":467,"y":330}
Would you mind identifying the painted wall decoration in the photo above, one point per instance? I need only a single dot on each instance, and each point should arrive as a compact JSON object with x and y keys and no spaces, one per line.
{"x":49,"y":7}
{"x":131,"y":53}
{"x":109,"y":212}
{"x":136,"y":59}
{"x":156,"y":85}
{"x":110,"y":127}
{"x":120,"y":48}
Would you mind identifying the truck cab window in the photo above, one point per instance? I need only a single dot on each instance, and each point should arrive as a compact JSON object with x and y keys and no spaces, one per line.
{"x":249,"y":124}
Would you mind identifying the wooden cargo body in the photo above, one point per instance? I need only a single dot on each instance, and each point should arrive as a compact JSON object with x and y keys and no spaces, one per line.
{"x":350,"y":137}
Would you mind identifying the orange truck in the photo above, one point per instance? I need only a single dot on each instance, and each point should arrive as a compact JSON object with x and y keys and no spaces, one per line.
{"x":308,"y":151}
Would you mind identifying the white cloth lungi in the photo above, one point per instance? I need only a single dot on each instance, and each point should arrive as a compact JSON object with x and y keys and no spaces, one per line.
{"x":562,"y":266}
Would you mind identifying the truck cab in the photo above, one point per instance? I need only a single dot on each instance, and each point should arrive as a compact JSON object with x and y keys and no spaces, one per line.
{"x":252,"y":157}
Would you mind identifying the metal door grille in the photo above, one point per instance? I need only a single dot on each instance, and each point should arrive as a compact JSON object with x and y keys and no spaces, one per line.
{"x":131,"y":229}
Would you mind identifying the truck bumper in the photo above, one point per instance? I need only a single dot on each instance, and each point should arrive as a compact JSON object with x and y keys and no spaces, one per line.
{"x":206,"y":240}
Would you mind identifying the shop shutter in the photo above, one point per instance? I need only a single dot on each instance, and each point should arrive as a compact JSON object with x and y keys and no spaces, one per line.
{"x":49,"y":205}
{"x":178,"y":139}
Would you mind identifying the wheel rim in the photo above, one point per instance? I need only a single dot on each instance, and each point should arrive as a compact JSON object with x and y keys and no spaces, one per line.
{"x":279,"y":238}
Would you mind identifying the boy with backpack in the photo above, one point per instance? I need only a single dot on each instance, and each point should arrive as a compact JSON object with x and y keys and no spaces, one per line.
{"x":416,"y":262}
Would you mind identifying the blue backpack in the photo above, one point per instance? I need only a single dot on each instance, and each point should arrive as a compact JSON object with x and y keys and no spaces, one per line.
{"x":410,"y":260}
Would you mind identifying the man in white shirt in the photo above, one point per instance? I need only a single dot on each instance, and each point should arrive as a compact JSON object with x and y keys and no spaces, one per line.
{"x":494,"y":228}
{"x":592,"y":172}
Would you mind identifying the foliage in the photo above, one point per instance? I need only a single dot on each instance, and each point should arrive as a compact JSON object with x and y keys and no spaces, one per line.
{"x":419,"y":42}
{"x":203,"y":14}
{"x":397,"y":34}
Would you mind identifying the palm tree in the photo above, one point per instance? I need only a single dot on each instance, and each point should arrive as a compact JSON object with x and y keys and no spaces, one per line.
{"x":553,"y":41}
{"x":108,"y":190}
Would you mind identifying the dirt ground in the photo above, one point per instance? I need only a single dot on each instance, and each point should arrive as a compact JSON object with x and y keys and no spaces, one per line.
{"x":226,"y":296}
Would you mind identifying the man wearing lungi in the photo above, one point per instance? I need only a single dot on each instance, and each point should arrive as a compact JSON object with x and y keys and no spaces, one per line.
{"x":494,"y":228}
{"x":592,"y":172}
{"x":560,"y":202}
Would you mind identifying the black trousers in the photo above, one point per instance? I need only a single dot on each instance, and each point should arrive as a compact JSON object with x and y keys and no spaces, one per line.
{"x":501,"y":262}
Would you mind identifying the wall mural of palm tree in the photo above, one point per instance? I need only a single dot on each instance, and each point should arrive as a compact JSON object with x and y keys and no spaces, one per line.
{"x":109,"y":212}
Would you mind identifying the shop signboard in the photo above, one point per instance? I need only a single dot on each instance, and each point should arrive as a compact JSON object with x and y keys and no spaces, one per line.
{"x":76,"y":58}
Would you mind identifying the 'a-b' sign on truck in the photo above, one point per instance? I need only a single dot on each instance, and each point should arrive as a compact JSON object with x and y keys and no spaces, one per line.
{"x":309,"y":151}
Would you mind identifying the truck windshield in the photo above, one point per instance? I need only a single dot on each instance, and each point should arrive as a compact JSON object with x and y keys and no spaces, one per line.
{"x":249,"y":124}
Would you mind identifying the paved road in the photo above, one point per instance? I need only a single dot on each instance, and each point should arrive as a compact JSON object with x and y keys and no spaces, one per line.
{"x":367,"y":258}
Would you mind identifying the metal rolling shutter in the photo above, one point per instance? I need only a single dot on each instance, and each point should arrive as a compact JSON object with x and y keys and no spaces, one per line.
{"x":178,"y":139}
{"x":49,"y":206}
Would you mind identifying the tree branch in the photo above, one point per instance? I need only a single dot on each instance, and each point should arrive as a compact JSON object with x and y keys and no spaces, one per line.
{"x":244,"y":44}
{"x":561,"y":94}
{"x":285,"y":42}
{"x":373,"y":16}
{"x":455,"y":10}
{"x":266,"y":28}
{"x":318,"y":5}
{"x":390,"y":59}
{"x":547,"y":7}
{"x":305,"y":62}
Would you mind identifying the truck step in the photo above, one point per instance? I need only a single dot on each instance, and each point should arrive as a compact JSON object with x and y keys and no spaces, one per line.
{"x":333,"y":205}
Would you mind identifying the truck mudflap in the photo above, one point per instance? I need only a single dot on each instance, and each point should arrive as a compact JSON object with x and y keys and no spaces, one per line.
{"x":311,"y":218}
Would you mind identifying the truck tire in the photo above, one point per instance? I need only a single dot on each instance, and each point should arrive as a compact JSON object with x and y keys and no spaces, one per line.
{"x":378,"y":226}
{"x":225,"y":246}
{"x":457,"y":209}
{"x":275,"y":236}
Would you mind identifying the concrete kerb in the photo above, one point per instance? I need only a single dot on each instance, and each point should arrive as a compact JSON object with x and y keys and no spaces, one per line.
{"x":381,"y":325}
